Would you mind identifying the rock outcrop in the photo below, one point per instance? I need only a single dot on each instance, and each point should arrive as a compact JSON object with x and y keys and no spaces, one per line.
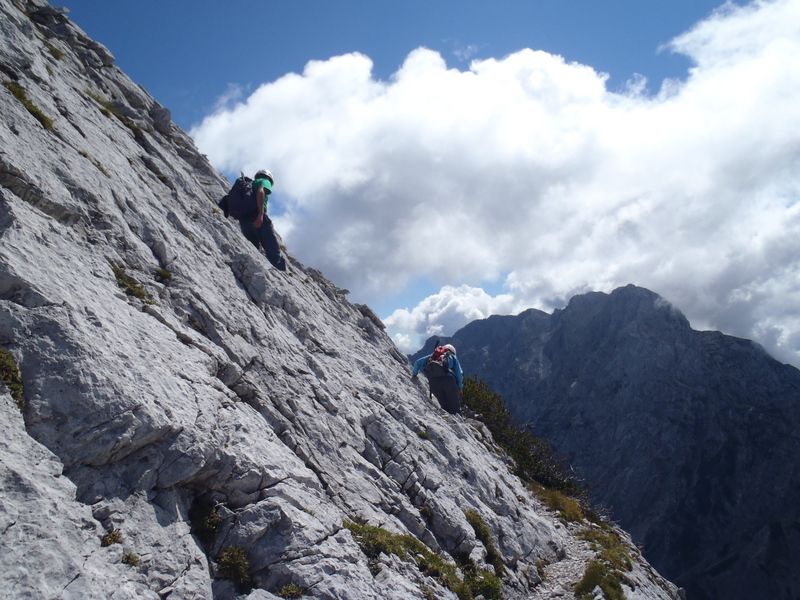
{"x":194,"y":423}
{"x":690,"y":438}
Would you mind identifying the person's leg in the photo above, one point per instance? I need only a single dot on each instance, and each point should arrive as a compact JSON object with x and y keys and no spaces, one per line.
{"x":270,"y":244}
{"x":249,"y":231}
{"x":451,"y":398}
{"x":445,"y":390}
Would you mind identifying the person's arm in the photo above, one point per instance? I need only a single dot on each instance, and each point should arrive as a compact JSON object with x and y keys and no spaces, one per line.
{"x":260,"y":202}
{"x":456,"y":366}
{"x":418,"y":364}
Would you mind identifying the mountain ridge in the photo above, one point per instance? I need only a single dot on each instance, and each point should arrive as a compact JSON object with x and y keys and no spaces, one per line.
{"x":685,"y":435}
{"x":195,"y":423}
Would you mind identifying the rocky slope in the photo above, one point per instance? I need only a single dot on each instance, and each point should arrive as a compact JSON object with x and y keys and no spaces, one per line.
{"x":689,"y":437}
{"x":193,"y":423}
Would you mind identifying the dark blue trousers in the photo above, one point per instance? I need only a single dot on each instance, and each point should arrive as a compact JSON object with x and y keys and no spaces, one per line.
{"x":264,"y":237}
{"x":447,"y":393}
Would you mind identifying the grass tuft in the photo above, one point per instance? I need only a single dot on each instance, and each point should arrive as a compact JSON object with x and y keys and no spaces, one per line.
{"x":131,"y":558}
{"x":568,"y":508}
{"x":108,"y":108}
{"x":291,"y":590}
{"x":112,"y":537}
{"x":607,"y":570}
{"x":484,"y":534}
{"x":19,"y":93}
{"x":612,"y":549}
{"x":9,"y":375}
{"x":234,"y":565}
{"x":599,"y":574}
{"x":129,"y":285}
{"x":95,"y":162}
{"x":205,"y":521}
{"x":376,"y":540}
{"x":56,"y":53}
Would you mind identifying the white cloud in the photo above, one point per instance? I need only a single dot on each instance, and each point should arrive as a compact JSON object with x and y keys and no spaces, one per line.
{"x":444,"y":312}
{"x":528,"y":166}
{"x":233,"y":93}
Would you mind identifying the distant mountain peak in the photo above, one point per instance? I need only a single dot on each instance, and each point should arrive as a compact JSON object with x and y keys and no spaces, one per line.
{"x":685,"y":435}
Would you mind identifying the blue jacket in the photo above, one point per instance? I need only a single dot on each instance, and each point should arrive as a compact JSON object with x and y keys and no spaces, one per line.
{"x":452,"y":364}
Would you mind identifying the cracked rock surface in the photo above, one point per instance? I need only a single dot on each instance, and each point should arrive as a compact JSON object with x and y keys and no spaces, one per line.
{"x":183,"y":399}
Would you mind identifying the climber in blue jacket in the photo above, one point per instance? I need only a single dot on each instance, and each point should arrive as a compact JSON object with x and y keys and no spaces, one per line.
{"x":445,"y":377}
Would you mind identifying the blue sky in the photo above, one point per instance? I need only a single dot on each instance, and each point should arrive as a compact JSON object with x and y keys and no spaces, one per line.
{"x":187,"y":53}
{"x":449,"y":160}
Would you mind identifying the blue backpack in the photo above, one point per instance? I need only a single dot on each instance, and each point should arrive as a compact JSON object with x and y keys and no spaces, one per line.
{"x":240,"y":201}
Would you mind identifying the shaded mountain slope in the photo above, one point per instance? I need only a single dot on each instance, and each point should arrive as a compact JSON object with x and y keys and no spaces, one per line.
{"x":689,"y":437}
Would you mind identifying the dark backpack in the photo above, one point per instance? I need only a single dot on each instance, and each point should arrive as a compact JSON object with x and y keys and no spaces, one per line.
{"x":240,"y":201}
{"x":437,"y":365}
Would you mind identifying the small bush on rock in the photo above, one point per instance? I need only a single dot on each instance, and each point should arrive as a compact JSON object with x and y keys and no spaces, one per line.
{"x":205,"y":521}
{"x":9,"y":375}
{"x":569,"y":509}
{"x":291,"y":590}
{"x":20,"y":95}
{"x":484,"y":534}
{"x":598,"y":574}
{"x":234,"y":565}
{"x":131,"y":558}
{"x":112,"y":537}
{"x":376,"y":540}
{"x":612,"y":550}
{"x":129,"y":285}
{"x":533,"y":457}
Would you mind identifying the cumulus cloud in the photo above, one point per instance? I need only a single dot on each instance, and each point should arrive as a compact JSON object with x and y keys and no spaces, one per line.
{"x":444,"y":312}
{"x":526,"y":169}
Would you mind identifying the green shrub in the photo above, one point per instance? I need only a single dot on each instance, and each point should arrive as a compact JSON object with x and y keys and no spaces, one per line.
{"x":234,"y":565}
{"x":483,"y":583}
{"x":20,"y":95}
{"x":484,"y":534}
{"x":9,"y":375}
{"x":427,"y":592}
{"x":131,"y":558}
{"x":599,"y":574}
{"x":129,"y":285}
{"x":205,"y":521}
{"x":568,"y":508}
{"x":163,"y":275}
{"x":291,"y":590}
{"x":112,"y":537}
{"x":533,"y":457}
{"x":376,"y":540}
{"x":423,"y":434}
{"x":612,"y":549}
{"x":607,"y":569}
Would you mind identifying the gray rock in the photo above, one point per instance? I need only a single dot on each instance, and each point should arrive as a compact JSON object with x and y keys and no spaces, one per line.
{"x":226,"y":410}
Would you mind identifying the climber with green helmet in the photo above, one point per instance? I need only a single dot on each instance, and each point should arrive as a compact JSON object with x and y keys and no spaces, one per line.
{"x":259,"y":231}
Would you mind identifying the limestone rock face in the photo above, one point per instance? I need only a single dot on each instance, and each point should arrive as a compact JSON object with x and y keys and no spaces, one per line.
{"x":688,"y":437}
{"x":197,"y":424}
